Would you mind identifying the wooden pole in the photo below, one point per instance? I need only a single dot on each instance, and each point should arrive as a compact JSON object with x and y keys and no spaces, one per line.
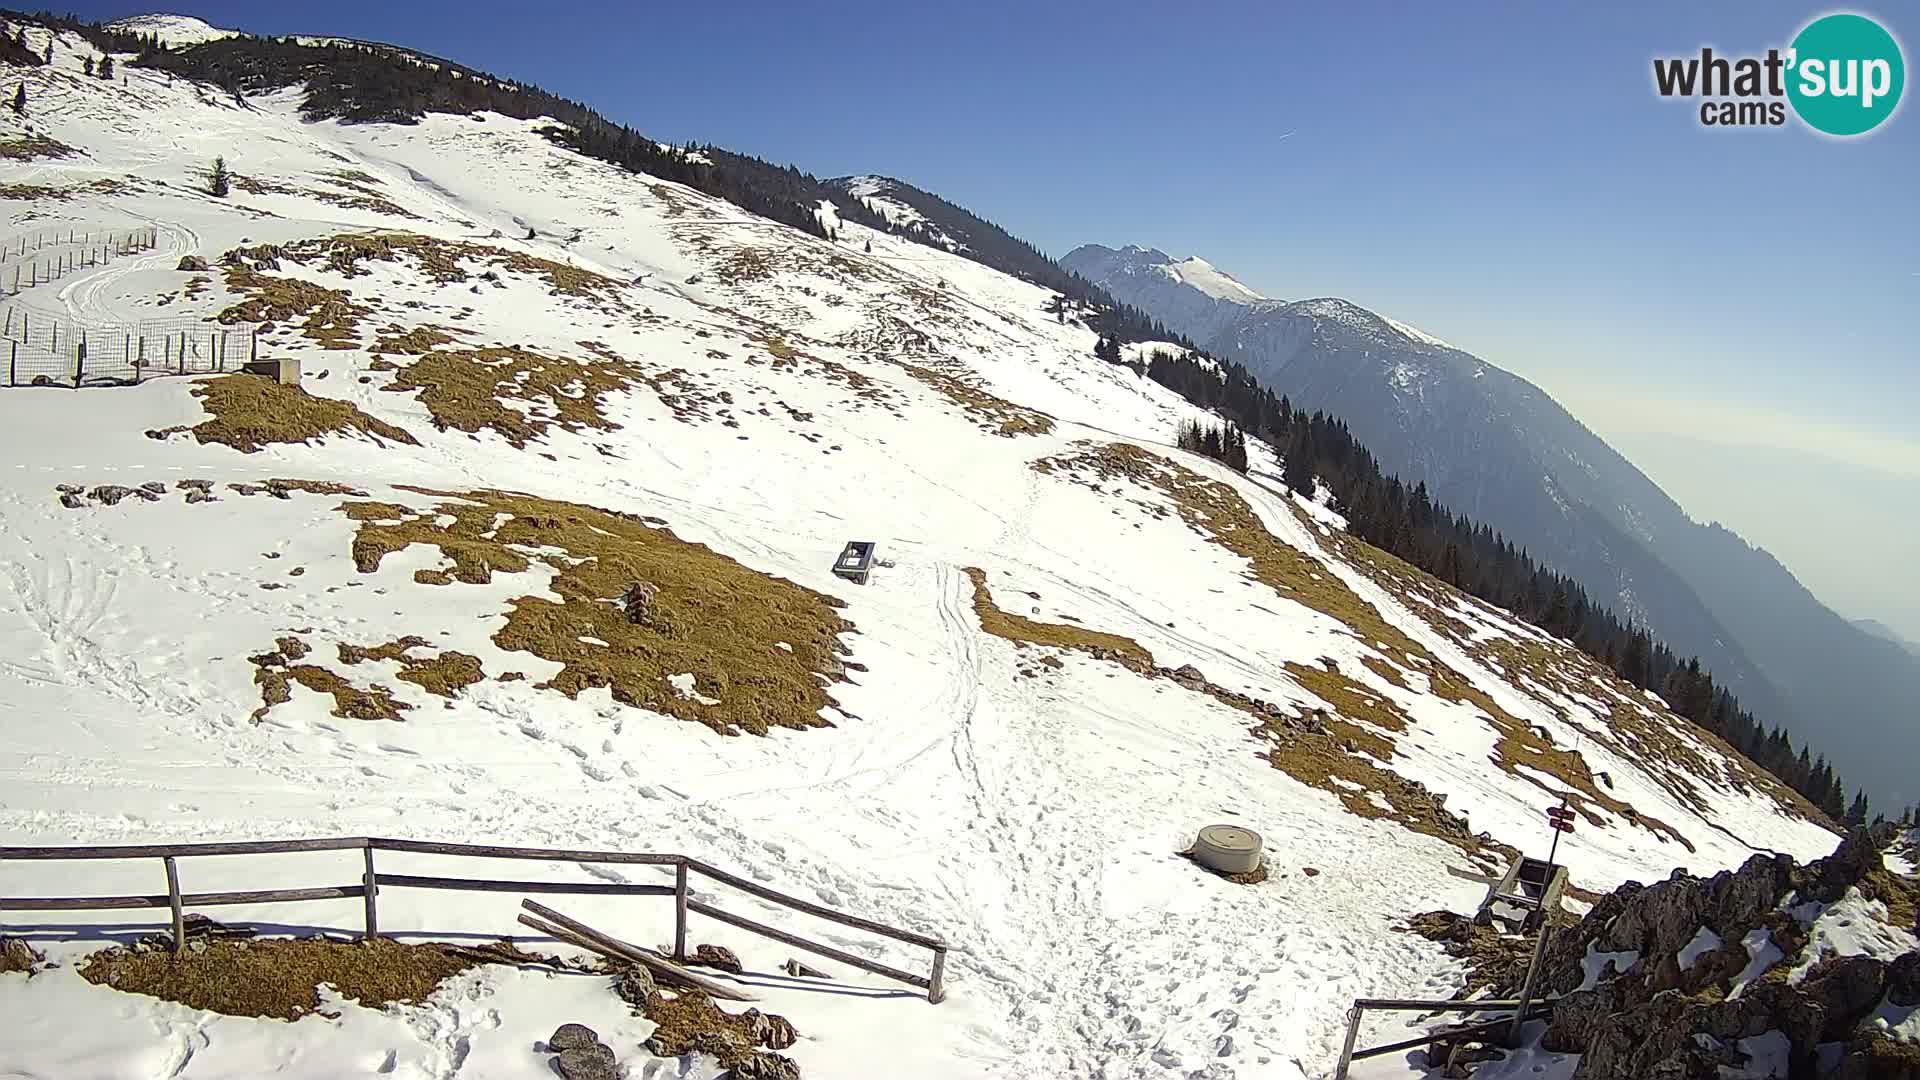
{"x":13,"y":362}
{"x":1533,"y":974}
{"x":173,"y":902}
{"x":373,"y":889}
{"x":1346,"y":1049}
{"x":680,"y":911}
{"x":610,"y":946}
{"x":937,"y":988}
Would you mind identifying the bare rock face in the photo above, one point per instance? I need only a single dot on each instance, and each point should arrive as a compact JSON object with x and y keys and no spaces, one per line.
{"x":17,"y":955}
{"x":191,"y":262}
{"x":1658,"y":1020}
{"x":772,"y":1032}
{"x":637,"y":601}
{"x":594,"y":1062}
{"x":573,"y":1037}
{"x":717,"y":957}
{"x":635,"y":986}
{"x":765,"y":1067}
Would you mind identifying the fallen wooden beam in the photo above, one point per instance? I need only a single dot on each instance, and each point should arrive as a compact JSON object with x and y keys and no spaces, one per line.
{"x":587,"y":937}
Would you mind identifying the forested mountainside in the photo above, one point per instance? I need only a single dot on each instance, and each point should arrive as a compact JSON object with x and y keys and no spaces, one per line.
{"x":1499,"y":450}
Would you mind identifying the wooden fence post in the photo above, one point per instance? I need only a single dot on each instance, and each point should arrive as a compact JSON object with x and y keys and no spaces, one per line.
{"x":79,"y":360}
{"x":213,"y":351}
{"x":373,"y":889}
{"x":936,"y":983}
{"x":173,"y":902}
{"x":680,"y":911}
{"x":13,"y":362}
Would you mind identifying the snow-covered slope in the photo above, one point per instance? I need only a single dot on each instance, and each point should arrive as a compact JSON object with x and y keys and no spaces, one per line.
{"x":174,"y":30}
{"x":508,"y":433}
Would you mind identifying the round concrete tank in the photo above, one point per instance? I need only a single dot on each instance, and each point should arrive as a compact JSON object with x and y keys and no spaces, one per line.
{"x":1229,"y":849}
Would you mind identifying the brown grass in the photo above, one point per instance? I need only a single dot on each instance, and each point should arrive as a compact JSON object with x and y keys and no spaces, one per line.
{"x":328,"y":317}
{"x":1023,"y":631}
{"x":998,"y":415}
{"x":1901,"y":895}
{"x":279,"y":978}
{"x":248,"y":412}
{"x":466,"y":390}
{"x":445,"y":261}
{"x":32,"y":147}
{"x":276,"y":672}
{"x":711,"y":618}
{"x":1492,"y":959}
{"x":442,"y":674}
{"x":688,"y":1021}
{"x":355,"y":194}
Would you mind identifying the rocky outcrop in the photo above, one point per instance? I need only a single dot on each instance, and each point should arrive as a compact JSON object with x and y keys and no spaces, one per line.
{"x":1660,"y":1019}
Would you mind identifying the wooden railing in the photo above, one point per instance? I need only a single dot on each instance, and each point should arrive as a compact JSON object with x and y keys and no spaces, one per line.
{"x":371,"y":880}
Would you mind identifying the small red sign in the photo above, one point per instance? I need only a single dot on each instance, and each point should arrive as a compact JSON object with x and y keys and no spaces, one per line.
{"x":1563,"y":826}
{"x":1559,"y":813}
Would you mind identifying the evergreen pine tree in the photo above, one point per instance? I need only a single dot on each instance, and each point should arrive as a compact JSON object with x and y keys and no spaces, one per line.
{"x":20,"y":100}
{"x":219,"y":181}
{"x":105,"y":70}
{"x":1857,"y":810}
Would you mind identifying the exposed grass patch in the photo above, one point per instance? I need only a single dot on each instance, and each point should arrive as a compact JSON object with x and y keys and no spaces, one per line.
{"x":33,"y":147}
{"x":35,"y":191}
{"x":445,"y":261}
{"x":710,"y":617}
{"x":441,"y":674}
{"x":467,"y":390}
{"x":1023,"y":631}
{"x":995,"y":414}
{"x":356,"y":194}
{"x":328,"y":317}
{"x":688,"y":1021}
{"x":1492,"y":959}
{"x":1901,"y":895}
{"x":276,"y":672}
{"x":248,"y":412}
{"x":278,"y":978}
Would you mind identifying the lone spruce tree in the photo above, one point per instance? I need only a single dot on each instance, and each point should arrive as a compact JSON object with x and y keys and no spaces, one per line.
{"x":20,"y":100}
{"x":105,"y":70}
{"x":219,"y":181}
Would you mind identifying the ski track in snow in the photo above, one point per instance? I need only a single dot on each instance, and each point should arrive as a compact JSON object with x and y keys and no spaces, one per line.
{"x":1030,"y":821}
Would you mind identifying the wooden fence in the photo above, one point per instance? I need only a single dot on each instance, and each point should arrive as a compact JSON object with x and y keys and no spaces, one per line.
{"x":371,"y":880}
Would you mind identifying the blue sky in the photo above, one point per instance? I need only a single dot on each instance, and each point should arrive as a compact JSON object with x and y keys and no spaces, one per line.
{"x":1501,"y":175}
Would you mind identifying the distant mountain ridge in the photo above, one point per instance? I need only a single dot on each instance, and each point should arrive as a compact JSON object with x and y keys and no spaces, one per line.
{"x":1882,"y":630}
{"x":1493,"y":446}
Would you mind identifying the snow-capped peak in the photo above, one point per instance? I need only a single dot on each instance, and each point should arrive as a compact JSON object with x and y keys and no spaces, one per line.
{"x":172,"y":29}
{"x":1209,"y":279}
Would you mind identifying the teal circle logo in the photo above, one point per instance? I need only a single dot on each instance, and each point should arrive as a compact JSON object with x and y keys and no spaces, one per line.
{"x":1845,"y":74}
